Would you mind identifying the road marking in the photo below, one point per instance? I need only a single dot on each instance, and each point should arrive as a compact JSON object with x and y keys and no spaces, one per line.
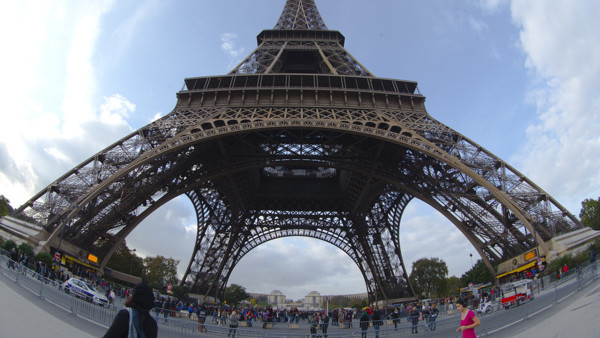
{"x":531,"y":315}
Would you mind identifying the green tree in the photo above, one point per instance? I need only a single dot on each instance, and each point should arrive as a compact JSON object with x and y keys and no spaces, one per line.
{"x":45,"y":258}
{"x":181,"y":292}
{"x":234,"y":294}
{"x":338,"y":302}
{"x":477,"y":275}
{"x":160,"y":271}
{"x":428,"y":277}
{"x":5,"y":208}
{"x":357,"y":303}
{"x":26,"y":249}
{"x":452,"y":286}
{"x":590,"y":213}
{"x":126,"y":261}
{"x":558,"y":264}
{"x":9,"y":245}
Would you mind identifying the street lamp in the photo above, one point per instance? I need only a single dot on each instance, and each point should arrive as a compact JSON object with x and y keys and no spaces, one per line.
{"x":472,"y":266}
{"x":131,"y":260}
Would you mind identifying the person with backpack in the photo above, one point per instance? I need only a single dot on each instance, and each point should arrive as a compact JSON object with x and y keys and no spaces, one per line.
{"x":135,"y":320}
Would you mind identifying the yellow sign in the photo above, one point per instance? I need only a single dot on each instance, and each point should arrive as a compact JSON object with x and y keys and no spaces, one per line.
{"x":530,"y":255}
{"x":92,"y":258}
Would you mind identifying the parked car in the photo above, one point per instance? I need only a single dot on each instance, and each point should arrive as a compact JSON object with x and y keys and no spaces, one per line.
{"x":82,"y":289}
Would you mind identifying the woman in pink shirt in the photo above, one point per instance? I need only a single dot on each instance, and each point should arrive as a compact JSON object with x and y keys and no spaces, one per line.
{"x":468,"y":320}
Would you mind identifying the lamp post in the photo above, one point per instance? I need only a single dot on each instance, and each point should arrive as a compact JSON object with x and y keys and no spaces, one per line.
{"x":472,"y":266}
{"x":131,"y":260}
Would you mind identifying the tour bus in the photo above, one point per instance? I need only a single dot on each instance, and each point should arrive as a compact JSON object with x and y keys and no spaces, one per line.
{"x":516,"y":293}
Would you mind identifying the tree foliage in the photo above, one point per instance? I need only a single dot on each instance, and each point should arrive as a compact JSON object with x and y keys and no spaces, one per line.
{"x":453,"y":285}
{"x":339,"y":302}
{"x":590,"y":213}
{"x":26,"y":249}
{"x":357,"y":303}
{"x":234,"y":294}
{"x":181,"y":292}
{"x":9,"y":245}
{"x":477,"y":275}
{"x":5,"y":208}
{"x":126,"y":261}
{"x":45,"y":258}
{"x":160,"y":271}
{"x":428,"y":277}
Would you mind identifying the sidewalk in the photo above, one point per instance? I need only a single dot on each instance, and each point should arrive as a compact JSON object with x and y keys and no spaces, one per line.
{"x":574,"y":317}
{"x":23,"y":314}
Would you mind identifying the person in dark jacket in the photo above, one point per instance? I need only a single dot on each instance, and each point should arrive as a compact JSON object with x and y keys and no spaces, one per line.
{"x":377,"y":319}
{"x":135,"y":320}
{"x":324,"y":323}
{"x":414,"y":317}
{"x":364,"y":324}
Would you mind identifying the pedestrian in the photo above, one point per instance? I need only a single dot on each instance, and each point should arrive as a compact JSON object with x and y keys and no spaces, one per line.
{"x":396,"y":318}
{"x":433,"y":317}
{"x":233,"y":324}
{"x":376,"y":318}
{"x":364,"y":324}
{"x":414,"y":318}
{"x":135,"y":320}
{"x":324,"y":323}
{"x":313,"y":323}
{"x":426,"y":313}
{"x":201,"y":318}
{"x":157,"y":306}
{"x":166,"y":309}
{"x":468,"y":320}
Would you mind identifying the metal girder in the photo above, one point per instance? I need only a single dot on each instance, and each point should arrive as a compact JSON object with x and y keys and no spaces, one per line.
{"x":300,"y":15}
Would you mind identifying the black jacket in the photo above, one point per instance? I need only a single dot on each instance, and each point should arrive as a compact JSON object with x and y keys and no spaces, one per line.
{"x":120,"y":325}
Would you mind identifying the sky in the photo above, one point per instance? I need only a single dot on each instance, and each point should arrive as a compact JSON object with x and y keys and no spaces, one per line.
{"x":520,"y":78}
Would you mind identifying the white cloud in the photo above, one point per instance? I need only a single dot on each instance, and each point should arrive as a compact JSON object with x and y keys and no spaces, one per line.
{"x":296,"y":266}
{"x":425,"y":233}
{"x":491,"y":6}
{"x":170,"y":231}
{"x":127,"y":30}
{"x":115,"y":110}
{"x":228,"y":46}
{"x":47,"y":89}
{"x":156,"y":116}
{"x":560,"y":41}
{"x":477,"y":25}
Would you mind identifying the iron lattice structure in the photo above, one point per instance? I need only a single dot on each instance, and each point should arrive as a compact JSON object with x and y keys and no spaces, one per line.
{"x":299,"y":139}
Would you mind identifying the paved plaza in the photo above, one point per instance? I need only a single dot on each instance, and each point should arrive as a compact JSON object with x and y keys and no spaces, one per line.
{"x":24,"y":314}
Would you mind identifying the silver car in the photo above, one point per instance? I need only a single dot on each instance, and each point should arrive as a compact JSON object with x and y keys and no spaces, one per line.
{"x":82,"y":289}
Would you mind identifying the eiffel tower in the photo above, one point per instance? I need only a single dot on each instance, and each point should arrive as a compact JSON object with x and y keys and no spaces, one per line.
{"x":299,"y":139}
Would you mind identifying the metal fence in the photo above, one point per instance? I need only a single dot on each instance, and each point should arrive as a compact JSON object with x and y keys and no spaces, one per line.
{"x":182,"y":324}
